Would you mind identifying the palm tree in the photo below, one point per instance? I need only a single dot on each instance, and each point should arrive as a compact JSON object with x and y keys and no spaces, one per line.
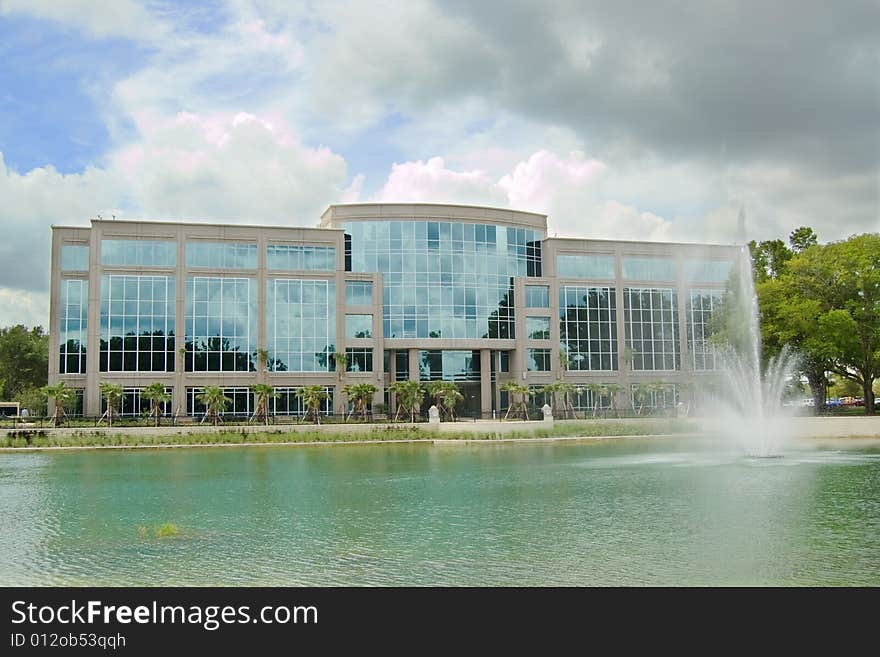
{"x":263,"y":392}
{"x":409,"y":397}
{"x":519,"y":394}
{"x":63,"y":397}
{"x":156,"y":395}
{"x":613,"y":390}
{"x":340,"y":360}
{"x":215,"y":401}
{"x":360,"y":395}
{"x":112,"y":394}
{"x":446,"y":395}
{"x":312,"y":398}
{"x":597,"y":391}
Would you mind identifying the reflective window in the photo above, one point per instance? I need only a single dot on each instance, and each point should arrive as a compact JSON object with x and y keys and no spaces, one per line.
{"x":131,"y":404}
{"x":538,"y":360}
{"x":503,"y":361}
{"x":221,"y":324}
{"x":444,"y":279}
{"x":401,"y":365}
{"x":537,"y":296}
{"x":359,"y":293}
{"x":359,"y":326}
{"x":700,"y":307}
{"x":72,"y":331}
{"x":300,"y":257}
{"x":591,"y":399}
{"x":647,"y":397}
{"x":588,"y":327}
{"x":648,"y":269}
{"x":221,"y":255}
{"x":707,"y":271}
{"x":538,"y":328}
{"x":139,"y":253}
{"x":137,"y":323}
{"x":449,"y":365}
{"x":300,"y":324}
{"x":359,"y":360}
{"x":585,"y":266}
{"x":74,"y":257}
{"x":241,"y":402}
{"x":651,"y":326}
{"x":289,"y":403}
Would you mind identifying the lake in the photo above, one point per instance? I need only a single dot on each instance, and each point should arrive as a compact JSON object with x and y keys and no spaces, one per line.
{"x":650,"y":511}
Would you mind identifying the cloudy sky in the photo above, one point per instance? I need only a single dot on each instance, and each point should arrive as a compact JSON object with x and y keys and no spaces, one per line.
{"x":648,"y":120}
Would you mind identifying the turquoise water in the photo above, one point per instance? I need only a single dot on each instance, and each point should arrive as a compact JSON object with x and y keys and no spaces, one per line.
{"x":629,"y":511}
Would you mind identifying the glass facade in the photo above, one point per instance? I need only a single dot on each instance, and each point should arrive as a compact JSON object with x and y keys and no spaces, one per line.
{"x":648,"y":269}
{"x":241,"y":402}
{"x":74,"y":319}
{"x":221,"y":255}
{"x":538,"y":360}
{"x":537,"y":296}
{"x":300,"y":257}
{"x":137,"y":323}
{"x":300,"y":324}
{"x":359,"y":293}
{"x":654,"y":398}
{"x":700,"y":308}
{"x":139,"y":253}
{"x":650,"y":318}
{"x":588,"y":327}
{"x":449,"y":365}
{"x":444,"y":279}
{"x":585,"y":266}
{"x":359,"y":326}
{"x":538,"y":328}
{"x":133,"y":405}
{"x":221,"y":324}
{"x":707,"y":271}
{"x":74,"y":257}
{"x":359,"y":359}
{"x":289,"y":403}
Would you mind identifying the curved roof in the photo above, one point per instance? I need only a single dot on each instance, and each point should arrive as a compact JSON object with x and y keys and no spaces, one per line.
{"x":341,"y":213}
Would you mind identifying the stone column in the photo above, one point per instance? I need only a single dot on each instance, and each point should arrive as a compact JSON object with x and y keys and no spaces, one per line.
{"x":486,"y":383}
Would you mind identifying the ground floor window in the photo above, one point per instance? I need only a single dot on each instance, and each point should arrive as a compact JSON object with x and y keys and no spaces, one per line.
{"x":133,"y":405}
{"x":242,"y":404}
{"x":288,"y":403}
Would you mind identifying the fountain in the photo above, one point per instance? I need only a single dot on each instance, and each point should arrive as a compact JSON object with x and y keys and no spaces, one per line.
{"x":750,"y":411}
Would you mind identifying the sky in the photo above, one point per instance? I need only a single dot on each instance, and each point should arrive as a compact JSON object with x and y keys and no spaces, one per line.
{"x":629,"y":120}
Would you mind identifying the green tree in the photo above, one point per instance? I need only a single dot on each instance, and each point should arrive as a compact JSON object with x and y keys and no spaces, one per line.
{"x":215,"y":401}
{"x":518,"y":396}
{"x":312,"y":398}
{"x":156,"y":395}
{"x":769,"y":258}
{"x":34,"y":401}
{"x":835,"y":291}
{"x":409,"y":395}
{"x":24,"y":359}
{"x":446,"y":395}
{"x":263,"y":392}
{"x":802,"y":238}
{"x":112,"y":394}
{"x":359,"y":395}
{"x":64,"y":398}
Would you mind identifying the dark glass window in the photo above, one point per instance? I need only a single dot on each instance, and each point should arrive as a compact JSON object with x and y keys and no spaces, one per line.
{"x":588,"y":327}
{"x":72,"y":331}
{"x":359,"y":360}
{"x":538,"y":360}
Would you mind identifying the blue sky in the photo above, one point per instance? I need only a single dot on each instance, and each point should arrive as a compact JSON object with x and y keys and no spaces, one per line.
{"x":656,"y":124}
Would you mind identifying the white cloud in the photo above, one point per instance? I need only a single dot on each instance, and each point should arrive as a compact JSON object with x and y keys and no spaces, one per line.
{"x":22,"y":307}
{"x":119,"y":18}
{"x":223,"y":167}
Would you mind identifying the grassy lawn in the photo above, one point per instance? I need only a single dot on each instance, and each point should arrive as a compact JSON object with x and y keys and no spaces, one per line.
{"x":85,"y":438}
